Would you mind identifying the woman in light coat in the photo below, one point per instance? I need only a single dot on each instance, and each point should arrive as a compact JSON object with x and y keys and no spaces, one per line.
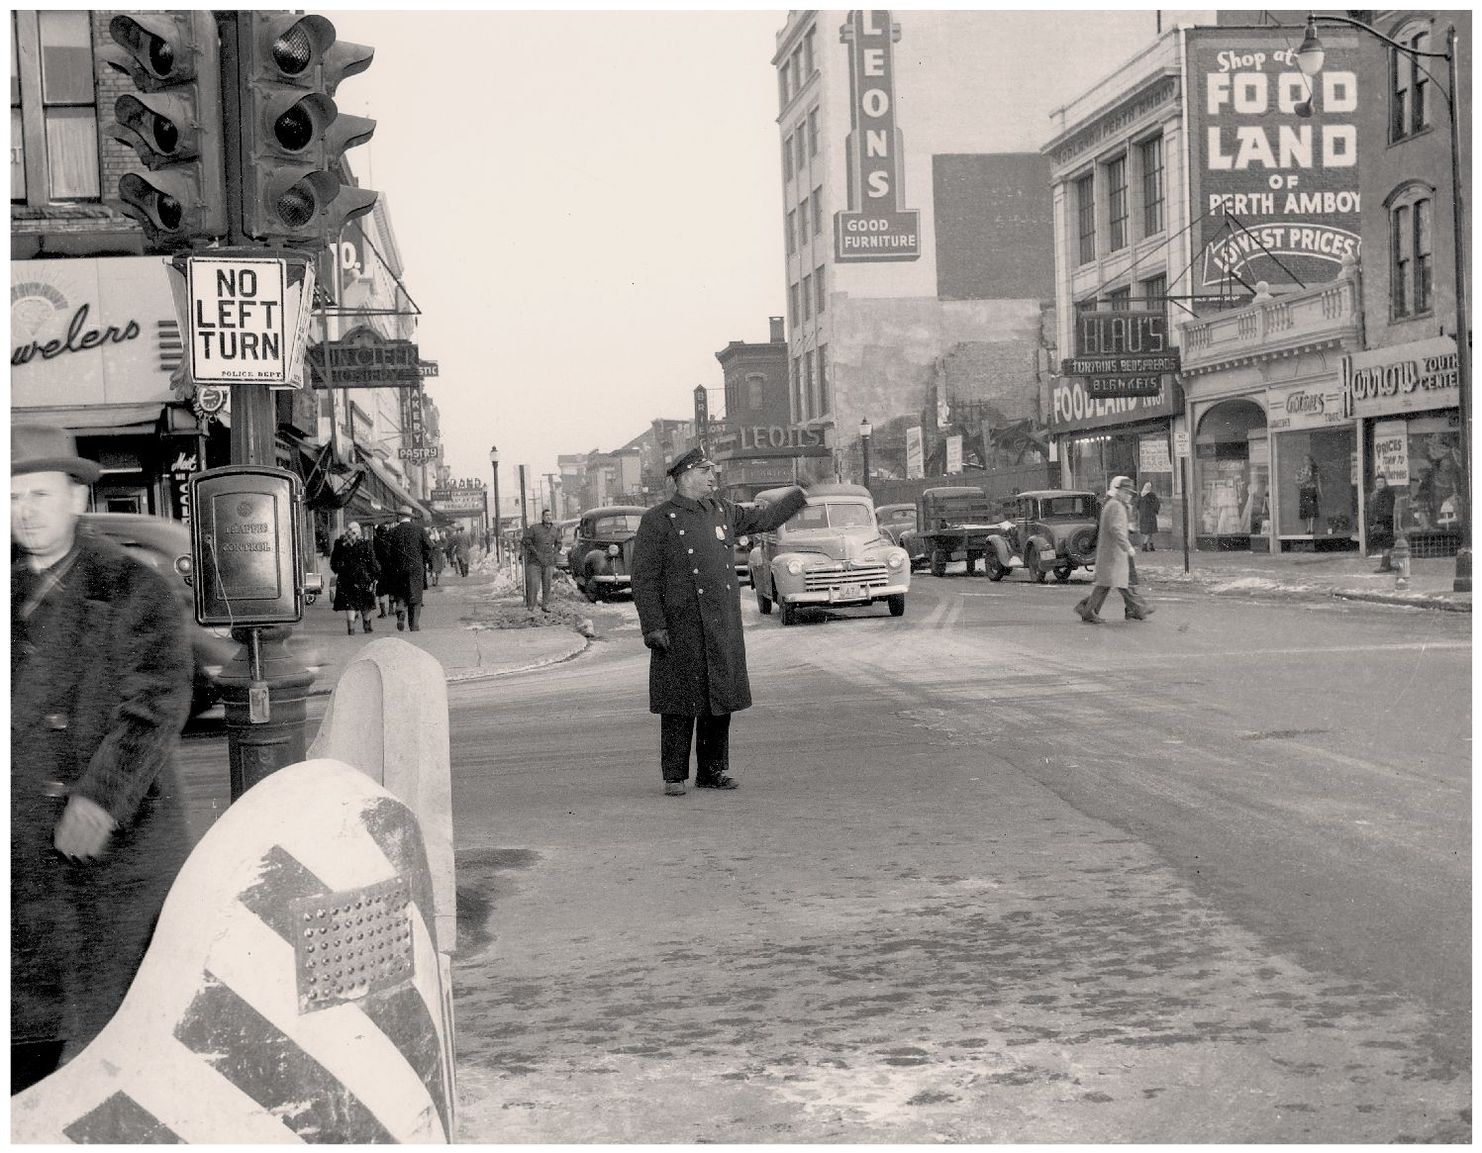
{"x":1114,"y":553}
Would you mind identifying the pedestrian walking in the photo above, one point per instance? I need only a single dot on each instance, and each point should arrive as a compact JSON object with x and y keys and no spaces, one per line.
{"x":353,"y":562}
{"x":408,"y":552}
{"x":1148,"y":505}
{"x":380,"y":542}
{"x":100,"y":675}
{"x":439,"y":555}
{"x":458,"y":552}
{"x":539,"y":546}
{"x":1114,"y":559}
{"x":689,"y":609}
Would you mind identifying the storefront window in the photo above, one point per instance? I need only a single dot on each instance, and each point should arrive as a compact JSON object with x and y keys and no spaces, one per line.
{"x":1231,"y":476}
{"x":1317,"y":483}
{"x":1434,"y":446}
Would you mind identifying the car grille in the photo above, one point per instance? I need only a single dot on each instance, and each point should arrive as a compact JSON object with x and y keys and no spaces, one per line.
{"x":870,"y":575}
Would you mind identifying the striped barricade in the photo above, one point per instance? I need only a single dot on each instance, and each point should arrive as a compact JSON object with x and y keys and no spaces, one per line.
{"x":293,"y":990}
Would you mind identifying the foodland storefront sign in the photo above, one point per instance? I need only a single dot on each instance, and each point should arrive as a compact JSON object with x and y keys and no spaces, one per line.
{"x":1276,"y":193}
{"x":1073,"y":407}
{"x":875,"y":227}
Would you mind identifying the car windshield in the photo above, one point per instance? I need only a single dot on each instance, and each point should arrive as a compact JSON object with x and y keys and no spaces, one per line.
{"x":1082,"y":507}
{"x":620,"y":525}
{"x":899,"y":516}
{"x":832,"y":515}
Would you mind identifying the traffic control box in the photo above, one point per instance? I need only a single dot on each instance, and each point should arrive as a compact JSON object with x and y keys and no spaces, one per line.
{"x":246,"y":541}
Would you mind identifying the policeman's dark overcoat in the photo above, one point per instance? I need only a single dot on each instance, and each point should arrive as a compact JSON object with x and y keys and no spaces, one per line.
{"x":100,"y":689}
{"x":684,"y":580}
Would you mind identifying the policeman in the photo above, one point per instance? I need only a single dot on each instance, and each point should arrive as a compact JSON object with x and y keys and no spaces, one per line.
{"x":689,"y":607}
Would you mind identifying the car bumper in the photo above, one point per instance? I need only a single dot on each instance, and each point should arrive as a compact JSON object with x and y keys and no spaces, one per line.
{"x":611,"y":580}
{"x":828,"y":597}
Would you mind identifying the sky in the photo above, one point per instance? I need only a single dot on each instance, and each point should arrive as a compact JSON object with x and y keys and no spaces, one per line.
{"x":588,"y":204}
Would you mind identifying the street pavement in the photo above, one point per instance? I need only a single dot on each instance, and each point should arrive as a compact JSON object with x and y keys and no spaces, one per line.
{"x":470,"y":651}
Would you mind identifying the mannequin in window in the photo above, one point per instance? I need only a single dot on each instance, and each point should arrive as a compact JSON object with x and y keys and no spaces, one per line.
{"x":1309,"y":493}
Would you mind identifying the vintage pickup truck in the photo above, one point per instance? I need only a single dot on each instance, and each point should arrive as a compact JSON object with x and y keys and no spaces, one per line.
{"x":952,"y":523}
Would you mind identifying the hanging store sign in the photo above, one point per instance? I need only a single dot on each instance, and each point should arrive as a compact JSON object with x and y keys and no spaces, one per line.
{"x":420,"y":454}
{"x":1122,"y":353}
{"x":875,"y":227}
{"x":1304,"y":406}
{"x":363,"y":358}
{"x":456,"y":500}
{"x":1277,"y":192}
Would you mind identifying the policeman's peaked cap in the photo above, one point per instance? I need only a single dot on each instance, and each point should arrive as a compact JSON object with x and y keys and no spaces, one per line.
{"x":695,"y":458}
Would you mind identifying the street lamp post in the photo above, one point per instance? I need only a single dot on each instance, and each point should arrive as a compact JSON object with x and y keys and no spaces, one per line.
{"x":864,"y":448}
{"x":1310,"y":60}
{"x":498,"y":542}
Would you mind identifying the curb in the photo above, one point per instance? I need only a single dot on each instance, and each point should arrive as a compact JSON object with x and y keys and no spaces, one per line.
{"x":1411,"y":600}
{"x":1208,"y":584}
{"x":467,"y":676}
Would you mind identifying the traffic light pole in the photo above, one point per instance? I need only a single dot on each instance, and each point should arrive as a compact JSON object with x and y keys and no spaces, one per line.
{"x":259,"y":741}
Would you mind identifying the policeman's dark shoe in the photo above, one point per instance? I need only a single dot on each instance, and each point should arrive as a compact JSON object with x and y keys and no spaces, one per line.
{"x":720,"y":782}
{"x":673,"y":788}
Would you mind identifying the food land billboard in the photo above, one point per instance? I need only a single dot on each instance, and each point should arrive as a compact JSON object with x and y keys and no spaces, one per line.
{"x":1277,"y":193}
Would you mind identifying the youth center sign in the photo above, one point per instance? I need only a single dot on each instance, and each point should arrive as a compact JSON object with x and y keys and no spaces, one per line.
{"x":874,"y":227}
{"x":1277,"y":193}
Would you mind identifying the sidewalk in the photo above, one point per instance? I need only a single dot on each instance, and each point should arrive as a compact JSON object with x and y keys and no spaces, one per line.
{"x":466,"y":650}
{"x":1348,"y":576}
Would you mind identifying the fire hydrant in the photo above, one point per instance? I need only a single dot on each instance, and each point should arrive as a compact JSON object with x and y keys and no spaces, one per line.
{"x":1400,"y":559}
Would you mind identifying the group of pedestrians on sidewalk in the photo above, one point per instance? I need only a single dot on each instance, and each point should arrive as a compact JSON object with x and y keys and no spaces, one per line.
{"x":392,"y":569}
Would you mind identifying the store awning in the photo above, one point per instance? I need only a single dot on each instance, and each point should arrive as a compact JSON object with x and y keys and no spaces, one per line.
{"x":395,"y":492}
{"x":95,"y":419}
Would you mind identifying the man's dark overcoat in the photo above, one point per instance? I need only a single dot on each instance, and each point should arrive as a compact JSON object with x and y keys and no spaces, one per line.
{"x":408,"y":553}
{"x":100,"y":689}
{"x":684,"y":580}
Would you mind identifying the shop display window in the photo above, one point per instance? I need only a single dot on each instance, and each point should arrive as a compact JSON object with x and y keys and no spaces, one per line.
{"x":1227,"y":489}
{"x":1317,"y":485}
{"x":1435,"y":475}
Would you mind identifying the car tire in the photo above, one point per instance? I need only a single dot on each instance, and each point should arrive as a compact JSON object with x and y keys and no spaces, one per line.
{"x":1031,"y":563}
{"x":1062,"y":572}
{"x":938,"y":562}
{"x":590,"y":591}
{"x":897,"y":604}
{"x":995,"y":569}
{"x":763,"y":601}
{"x":786,"y":613}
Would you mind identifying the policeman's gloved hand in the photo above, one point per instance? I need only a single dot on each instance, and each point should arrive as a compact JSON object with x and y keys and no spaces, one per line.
{"x":658,"y":640}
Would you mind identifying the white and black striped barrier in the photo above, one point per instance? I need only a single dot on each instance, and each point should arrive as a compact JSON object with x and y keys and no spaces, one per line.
{"x":298,"y":986}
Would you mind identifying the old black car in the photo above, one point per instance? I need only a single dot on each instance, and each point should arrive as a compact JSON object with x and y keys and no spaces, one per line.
{"x":601,"y":553}
{"x":1053,"y":530}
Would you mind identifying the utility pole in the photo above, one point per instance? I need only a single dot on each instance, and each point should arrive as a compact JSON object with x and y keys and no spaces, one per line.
{"x":550,"y":479}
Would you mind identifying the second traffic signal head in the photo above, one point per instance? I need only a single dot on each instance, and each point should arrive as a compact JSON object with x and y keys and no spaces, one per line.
{"x":294,"y":135}
{"x":173,"y":123}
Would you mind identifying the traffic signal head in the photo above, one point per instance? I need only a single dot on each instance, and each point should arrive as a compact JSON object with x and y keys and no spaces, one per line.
{"x":293,"y":132}
{"x":173,"y":123}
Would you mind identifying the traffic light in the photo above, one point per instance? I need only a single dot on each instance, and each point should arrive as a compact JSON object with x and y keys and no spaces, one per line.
{"x":293,"y":135}
{"x":173,"y":122}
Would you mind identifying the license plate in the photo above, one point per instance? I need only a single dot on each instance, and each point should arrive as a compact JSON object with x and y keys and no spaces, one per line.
{"x":854,"y":592}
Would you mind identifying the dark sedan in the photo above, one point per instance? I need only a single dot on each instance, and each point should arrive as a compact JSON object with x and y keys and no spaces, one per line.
{"x":601,"y":554}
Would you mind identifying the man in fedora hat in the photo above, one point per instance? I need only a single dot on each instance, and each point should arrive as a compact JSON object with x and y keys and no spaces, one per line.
{"x":100,"y":688}
{"x":689,"y":608}
{"x":408,"y":553}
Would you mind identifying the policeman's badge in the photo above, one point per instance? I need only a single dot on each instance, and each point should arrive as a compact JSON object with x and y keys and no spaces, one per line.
{"x":720,"y":532}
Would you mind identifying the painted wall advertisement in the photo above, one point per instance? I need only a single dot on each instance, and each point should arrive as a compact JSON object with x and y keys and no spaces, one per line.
{"x":1277,"y":192}
{"x":875,"y":227}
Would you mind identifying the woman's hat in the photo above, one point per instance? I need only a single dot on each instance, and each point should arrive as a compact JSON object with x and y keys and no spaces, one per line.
{"x":45,"y":448}
{"x":1120,"y":482}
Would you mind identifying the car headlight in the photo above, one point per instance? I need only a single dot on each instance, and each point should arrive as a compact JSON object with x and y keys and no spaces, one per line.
{"x":613,"y":550}
{"x":795,"y":567}
{"x":895,"y":560}
{"x":743,"y":541}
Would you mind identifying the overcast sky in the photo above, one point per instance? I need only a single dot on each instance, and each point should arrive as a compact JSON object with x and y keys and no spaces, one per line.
{"x":589,"y":204}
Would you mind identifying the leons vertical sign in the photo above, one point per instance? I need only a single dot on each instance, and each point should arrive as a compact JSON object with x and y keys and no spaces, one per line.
{"x":1278,"y":192}
{"x":874,"y":227}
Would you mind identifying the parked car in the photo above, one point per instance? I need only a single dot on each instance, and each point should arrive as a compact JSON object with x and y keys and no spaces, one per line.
{"x":743,"y":550}
{"x":567,"y":529}
{"x":953,"y":523}
{"x":895,"y":519}
{"x":1048,"y":530}
{"x":601,"y":554}
{"x":164,"y":545}
{"x":830,"y":553}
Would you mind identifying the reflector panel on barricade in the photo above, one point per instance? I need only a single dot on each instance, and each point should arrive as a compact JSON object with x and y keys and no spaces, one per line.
{"x":217,"y":1040}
